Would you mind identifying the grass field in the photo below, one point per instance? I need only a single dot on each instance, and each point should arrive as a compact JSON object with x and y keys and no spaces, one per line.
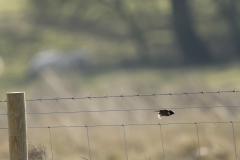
{"x":143,"y":142}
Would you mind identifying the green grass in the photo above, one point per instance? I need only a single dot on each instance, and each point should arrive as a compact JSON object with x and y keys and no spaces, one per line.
{"x":215,"y":140}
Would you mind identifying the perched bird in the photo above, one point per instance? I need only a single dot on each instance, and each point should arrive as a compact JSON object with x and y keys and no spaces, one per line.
{"x":164,"y":112}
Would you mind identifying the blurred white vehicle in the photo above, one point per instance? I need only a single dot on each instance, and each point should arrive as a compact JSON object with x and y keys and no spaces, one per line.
{"x":74,"y":60}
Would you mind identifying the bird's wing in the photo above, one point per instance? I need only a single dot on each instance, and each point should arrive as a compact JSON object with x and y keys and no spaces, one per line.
{"x":159,"y":116}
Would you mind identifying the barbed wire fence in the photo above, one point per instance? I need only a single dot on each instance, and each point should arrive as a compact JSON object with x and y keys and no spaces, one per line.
{"x":131,"y":95}
{"x":129,"y":125}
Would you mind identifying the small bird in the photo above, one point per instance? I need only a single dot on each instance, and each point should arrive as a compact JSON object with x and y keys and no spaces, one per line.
{"x":164,"y":112}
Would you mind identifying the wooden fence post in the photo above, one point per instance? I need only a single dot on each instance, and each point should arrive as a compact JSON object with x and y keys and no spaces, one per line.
{"x":17,"y":126}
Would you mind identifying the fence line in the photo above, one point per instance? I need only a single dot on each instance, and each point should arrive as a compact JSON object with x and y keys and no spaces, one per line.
{"x":131,"y":124}
{"x":140,"y":124}
{"x":124,"y":133}
{"x":132,"y":95}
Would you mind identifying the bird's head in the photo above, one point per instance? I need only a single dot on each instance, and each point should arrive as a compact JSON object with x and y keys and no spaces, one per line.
{"x":171,"y":112}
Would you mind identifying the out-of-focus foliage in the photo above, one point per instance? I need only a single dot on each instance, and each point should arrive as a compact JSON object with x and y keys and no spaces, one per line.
{"x":149,"y":27}
{"x":115,"y":33}
{"x":119,"y":33}
{"x":138,"y":25}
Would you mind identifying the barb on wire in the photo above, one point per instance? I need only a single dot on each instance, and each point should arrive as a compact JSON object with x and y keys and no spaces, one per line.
{"x":90,"y":97}
{"x":106,"y":96}
{"x":155,"y":95}
{"x":40,"y":99}
{"x":73,"y":98}
{"x":133,"y":95}
{"x":57,"y":99}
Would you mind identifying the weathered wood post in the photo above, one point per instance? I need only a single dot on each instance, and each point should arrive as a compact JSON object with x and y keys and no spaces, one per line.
{"x":17,"y":126}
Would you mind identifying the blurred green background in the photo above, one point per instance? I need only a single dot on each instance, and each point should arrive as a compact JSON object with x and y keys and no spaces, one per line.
{"x":64,"y":48}
{"x":121,"y":34}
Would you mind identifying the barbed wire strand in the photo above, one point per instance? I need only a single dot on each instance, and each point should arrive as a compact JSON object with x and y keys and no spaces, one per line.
{"x":132,"y":95}
{"x":125,"y":141}
{"x":89,"y":149}
{"x":198,"y":140}
{"x":50,"y":137}
{"x":235,"y":147}
{"x":162,"y":140}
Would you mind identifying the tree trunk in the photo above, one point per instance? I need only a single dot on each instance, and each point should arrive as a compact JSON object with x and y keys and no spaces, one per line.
{"x":195,"y":52}
{"x":230,"y":13}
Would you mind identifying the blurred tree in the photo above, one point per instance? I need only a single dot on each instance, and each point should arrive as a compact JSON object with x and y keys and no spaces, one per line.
{"x":103,"y":18}
{"x":145,"y":28}
{"x":135,"y":31}
{"x":194,"y":50}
